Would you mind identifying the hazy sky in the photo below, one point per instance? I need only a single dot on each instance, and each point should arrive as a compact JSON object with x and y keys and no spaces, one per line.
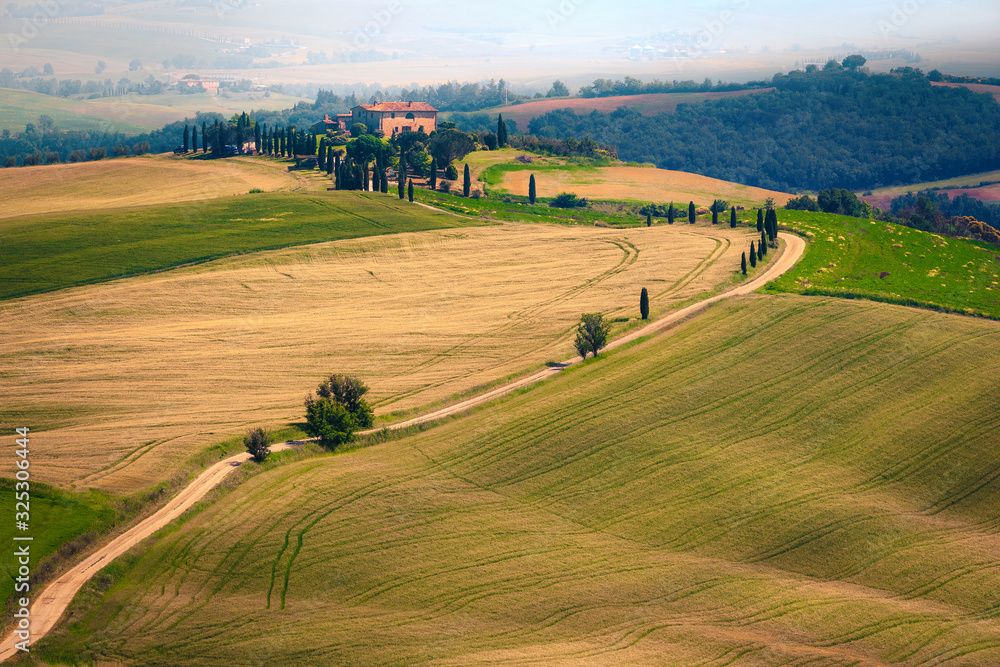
{"x":777,"y":23}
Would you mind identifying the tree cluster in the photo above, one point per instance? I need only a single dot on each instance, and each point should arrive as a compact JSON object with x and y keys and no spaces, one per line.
{"x":338,"y":410}
{"x":836,"y":128}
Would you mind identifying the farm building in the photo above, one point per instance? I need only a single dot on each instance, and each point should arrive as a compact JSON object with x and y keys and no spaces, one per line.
{"x":341,"y":122}
{"x":395,"y":117}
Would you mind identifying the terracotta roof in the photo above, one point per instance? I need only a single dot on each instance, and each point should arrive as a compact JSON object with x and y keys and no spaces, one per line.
{"x":398,"y":106}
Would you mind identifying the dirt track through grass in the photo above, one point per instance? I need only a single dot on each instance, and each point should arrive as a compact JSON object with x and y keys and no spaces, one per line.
{"x":122,"y":382}
{"x":784,"y":479}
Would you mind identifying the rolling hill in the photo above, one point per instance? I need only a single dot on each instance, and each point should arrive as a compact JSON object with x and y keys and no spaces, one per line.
{"x":779,"y":481}
{"x":650,"y":104}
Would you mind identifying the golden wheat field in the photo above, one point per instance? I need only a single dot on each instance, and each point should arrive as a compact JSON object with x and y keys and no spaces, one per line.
{"x":122,"y":382}
{"x":157,"y":179}
{"x":640,"y":184}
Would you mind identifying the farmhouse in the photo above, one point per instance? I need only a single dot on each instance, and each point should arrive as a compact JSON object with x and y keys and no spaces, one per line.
{"x":395,"y":117}
{"x":340,"y":121}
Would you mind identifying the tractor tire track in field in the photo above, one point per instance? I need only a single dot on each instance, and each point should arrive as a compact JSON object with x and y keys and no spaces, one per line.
{"x":53,"y":600}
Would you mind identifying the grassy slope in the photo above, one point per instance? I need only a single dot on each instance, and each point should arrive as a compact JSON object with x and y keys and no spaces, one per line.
{"x":48,"y":252}
{"x":19,"y":107}
{"x":856,"y":258}
{"x":137,"y":181}
{"x":608,"y":180}
{"x":57,"y":517}
{"x":780,"y":480}
{"x":129,"y":114}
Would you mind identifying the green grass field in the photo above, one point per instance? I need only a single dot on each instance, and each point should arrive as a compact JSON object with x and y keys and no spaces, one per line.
{"x":783,"y":480}
{"x":857,"y":258}
{"x":57,"y":517}
{"x":19,"y":107}
{"x":48,"y":252}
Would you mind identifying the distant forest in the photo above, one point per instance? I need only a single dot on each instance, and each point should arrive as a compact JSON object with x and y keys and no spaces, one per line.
{"x":821,"y":128}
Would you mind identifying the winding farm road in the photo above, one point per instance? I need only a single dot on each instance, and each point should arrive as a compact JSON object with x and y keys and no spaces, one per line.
{"x":50,"y":604}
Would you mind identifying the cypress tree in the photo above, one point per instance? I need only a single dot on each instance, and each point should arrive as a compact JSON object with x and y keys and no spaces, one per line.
{"x":329,"y":160}
{"x":239,"y":134}
{"x":434,"y":174}
{"x":194,"y":137}
{"x":186,"y":138}
{"x":501,"y":132}
{"x":376,"y":176}
{"x":383,"y":181}
{"x":670,"y":214}
{"x":402,"y":186}
{"x":763,"y":243}
{"x":649,"y":223}
{"x":732,"y":218}
{"x":715,"y":215}
{"x":402,"y":169}
{"x":364,"y":178}
{"x":691,"y":213}
{"x":753,"y":255}
{"x":772,"y":229}
{"x":409,"y":189}
{"x":644,"y":304}
{"x":218,"y":148}
{"x":760,"y":252}
{"x":743,"y":264}
{"x":257,"y":145}
{"x":532,"y":190}
{"x":321,"y":159}
{"x":467,"y":181}
{"x":760,"y":220}
{"x":204,"y":138}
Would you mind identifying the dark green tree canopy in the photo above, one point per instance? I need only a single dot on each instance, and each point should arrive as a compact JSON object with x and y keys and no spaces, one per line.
{"x":450,"y":145}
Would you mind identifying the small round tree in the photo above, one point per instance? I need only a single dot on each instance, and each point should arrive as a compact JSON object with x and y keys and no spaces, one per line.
{"x":532,"y":192}
{"x":743,"y":264}
{"x":644,"y":304}
{"x":591,"y":334}
{"x":258,"y":444}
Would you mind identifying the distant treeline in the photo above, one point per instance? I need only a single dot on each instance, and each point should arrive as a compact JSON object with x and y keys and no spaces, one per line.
{"x":450,"y":96}
{"x":632,"y":86}
{"x":43,"y":143}
{"x":821,"y":128}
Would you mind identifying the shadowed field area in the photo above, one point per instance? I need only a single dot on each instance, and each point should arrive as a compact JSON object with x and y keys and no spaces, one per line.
{"x":783,"y":480}
{"x":122,"y":382}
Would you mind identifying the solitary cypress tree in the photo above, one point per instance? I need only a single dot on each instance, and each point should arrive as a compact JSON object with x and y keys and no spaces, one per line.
{"x":649,"y":221}
{"x":732,"y":218}
{"x":691,"y":213}
{"x":186,"y":138}
{"x":409,"y":192}
{"x":670,"y":214}
{"x":715,"y":214}
{"x":753,"y":255}
{"x":644,"y":304}
{"x":467,"y":181}
{"x":532,"y":190}
{"x":763,"y":243}
{"x":760,"y":220}
{"x":204,"y":138}
{"x":743,"y":264}
{"x":434,"y":174}
{"x":501,"y":132}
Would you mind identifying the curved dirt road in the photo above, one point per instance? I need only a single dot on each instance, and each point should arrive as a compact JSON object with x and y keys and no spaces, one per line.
{"x":50,"y":604}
